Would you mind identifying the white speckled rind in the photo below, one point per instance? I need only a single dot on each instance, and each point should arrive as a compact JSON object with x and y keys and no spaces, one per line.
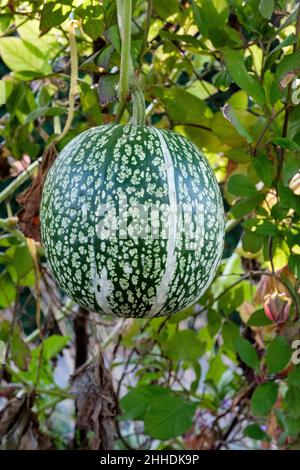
{"x":133,"y":276}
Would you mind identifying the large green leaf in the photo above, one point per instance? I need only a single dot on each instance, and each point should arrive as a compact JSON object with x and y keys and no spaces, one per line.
{"x":278,"y":354}
{"x":266,"y":8}
{"x":7,"y":290}
{"x":264,"y":398}
{"x":182,"y":107}
{"x":53,"y":14}
{"x":22,"y":56}
{"x":20,"y":352}
{"x":168,"y":416}
{"x":255,"y":432}
{"x":135,"y":403}
{"x":246,"y":205}
{"x":230,"y":114}
{"x":292,"y":402}
{"x":247,"y":353}
{"x":184,"y":345}
{"x":53,"y":345}
{"x":287,"y":69}
{"x":240,"y":185}
{"x":238,"y":72}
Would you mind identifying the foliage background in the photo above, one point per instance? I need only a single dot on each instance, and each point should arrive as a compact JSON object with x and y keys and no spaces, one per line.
{"x":218,"y":375}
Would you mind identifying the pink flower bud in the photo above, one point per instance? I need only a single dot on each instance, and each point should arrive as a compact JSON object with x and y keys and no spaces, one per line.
{"x":277,"y":307}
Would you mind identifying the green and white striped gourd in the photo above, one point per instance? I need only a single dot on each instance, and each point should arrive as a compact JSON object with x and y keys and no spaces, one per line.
{"x":166,"y":254}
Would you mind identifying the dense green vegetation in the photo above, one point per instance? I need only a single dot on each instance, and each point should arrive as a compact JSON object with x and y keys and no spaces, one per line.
{"x":223,"y":373}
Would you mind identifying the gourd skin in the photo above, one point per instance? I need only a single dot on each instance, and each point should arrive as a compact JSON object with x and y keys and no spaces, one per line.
{"x":109,"y":171}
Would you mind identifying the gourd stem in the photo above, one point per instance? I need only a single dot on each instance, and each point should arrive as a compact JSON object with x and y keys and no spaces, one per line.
{"x":124,"y":19}
{"x":138,"y":114}
{"x":128,"y":84}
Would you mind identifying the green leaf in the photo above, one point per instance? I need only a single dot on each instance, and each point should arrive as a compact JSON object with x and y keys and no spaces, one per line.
{"x":294,"y":377}
{"x":264,"y":169}
{"x":266,"y":8}
{"x":234,"y":297}
{"x":246,"y":205}
{"x":112,"y":35}
{"x":7,"y":290}
{"x":238,"y":72}
{"x":266,"y":228}
{"x":241,"y":186}
{"x":294,"y":264}
{"x":204,"y":11}
{"x":252,"y":242}
{"x":285,"y":143}
{"x":231,"y":116}
{"x":255,"y":432}
{"x":290,"y":167}
{"x":44,"y":111}
{"x":53,"y":345}
{"x":135,"y":403}
{"x":226,"y":133}
{"x":247,"y":353}
{"x":22,"y":56}
{"x":292,"y":402}
{"x":216,"y":369}
{"x":21,"y":267}
{"x":187,"y":39}
{"x":264,"y":398}
{"x":239,"y":155}
{"x":5,"y":327}
{"x":293,"y":426}
{"x":239,"y":101}
{"x":52,"y":15}
{"x":259,"y":318}
{"x":20,"y":352}
{"x":278,"y":354}
{"x":288,"y":199}
{"x":166,"y":8}
{"x":182,"y":107}
{"x":214,"y":321}
{"x":2,"y":92}
{"x":287,"y":69}
{"x":184,"y":345}
{"x":230,"y":333}
{"x":168,"y":416}
{"x":93,"y":28}
{"x":201,"y":89}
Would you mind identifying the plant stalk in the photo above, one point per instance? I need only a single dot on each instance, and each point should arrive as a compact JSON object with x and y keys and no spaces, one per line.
{"x":124,"y":19}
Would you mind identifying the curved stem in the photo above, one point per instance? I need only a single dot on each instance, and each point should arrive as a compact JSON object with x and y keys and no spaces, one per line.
{"x":124,"y":19}
{"x":17,"y":182}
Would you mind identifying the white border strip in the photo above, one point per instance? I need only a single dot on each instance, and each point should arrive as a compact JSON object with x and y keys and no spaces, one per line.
{"x":163,"y":288}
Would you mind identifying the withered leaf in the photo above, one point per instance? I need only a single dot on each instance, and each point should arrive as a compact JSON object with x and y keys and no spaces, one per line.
{"x":97,"y":405}
{"x":29,"y":215}
{"x":9,"y":414}
{"x":19,"y":427}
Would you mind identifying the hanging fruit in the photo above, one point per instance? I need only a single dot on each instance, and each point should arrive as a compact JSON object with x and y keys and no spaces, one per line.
{"x":132,"y":217}
{"x":132,"y":221}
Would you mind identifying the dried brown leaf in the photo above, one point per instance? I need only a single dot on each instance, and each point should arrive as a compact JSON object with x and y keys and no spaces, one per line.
{"x":29,"y":215}
{"x":97,"y":405}
{"x":19,"y":427}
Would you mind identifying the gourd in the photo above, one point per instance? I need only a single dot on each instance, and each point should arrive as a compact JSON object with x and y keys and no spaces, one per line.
{"x":132,"y":221}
